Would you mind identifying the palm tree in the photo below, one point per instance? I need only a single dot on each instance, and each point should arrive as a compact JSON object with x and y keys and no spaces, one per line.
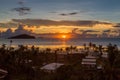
{"x":84,"y":46}
{"x":67,"y":51}
{"x":90,"y":45}
{"x":100,"y":49}
{"x":94,"y":47}
{"x":47,"y":51}
{"x":10,"y":43}
{"x":72,"y":48}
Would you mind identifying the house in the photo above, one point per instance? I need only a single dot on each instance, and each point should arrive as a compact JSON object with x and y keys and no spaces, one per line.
{"x":52,"y":67}
{"x":89,"y":61}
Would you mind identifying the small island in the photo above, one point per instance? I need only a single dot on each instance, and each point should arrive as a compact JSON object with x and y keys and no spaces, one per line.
{"x":22,"y":36}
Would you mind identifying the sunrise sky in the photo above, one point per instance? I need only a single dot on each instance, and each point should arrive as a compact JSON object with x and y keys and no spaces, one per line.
{"x":61,"y":16}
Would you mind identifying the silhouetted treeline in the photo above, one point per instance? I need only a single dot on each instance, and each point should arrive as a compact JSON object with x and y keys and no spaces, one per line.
{"x":23,"y":63}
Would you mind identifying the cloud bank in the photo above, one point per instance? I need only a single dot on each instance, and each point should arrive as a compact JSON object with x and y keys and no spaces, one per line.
{"x":42,"y":22}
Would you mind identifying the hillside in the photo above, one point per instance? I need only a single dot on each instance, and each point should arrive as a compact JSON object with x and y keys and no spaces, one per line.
{"x":22,"y":36}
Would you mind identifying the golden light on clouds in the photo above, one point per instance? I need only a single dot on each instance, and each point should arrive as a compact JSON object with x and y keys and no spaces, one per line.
{"x":3,"y":29}
{"x":103,"y":26}
{"x":66,"y":30}
{"x":52,"y":29}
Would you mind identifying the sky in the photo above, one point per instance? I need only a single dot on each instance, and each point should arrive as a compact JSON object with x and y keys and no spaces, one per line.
{"x":105,"y":10}
{"x":54,"y":11}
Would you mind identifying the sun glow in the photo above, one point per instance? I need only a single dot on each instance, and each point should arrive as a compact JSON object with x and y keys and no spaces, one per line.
{"x":64,"y":36}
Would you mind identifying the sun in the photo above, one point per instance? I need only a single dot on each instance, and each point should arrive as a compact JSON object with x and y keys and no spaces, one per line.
{"x":64,"y":36}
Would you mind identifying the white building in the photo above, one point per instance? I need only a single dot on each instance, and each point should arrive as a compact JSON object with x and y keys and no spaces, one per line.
{"x":89,"y":61}
{"x":51,"y":67}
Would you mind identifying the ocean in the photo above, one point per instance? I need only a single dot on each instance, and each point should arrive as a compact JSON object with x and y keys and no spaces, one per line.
{"x":57,"y":43}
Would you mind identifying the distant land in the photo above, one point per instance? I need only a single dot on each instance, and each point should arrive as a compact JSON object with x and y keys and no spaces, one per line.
{"x":22,"y":36}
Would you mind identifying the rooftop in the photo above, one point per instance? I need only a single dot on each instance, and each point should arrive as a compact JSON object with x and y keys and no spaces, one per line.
{"x":51,"y":66}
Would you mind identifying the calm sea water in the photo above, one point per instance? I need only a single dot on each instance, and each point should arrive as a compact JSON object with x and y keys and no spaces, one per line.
{"x":55,"y":43}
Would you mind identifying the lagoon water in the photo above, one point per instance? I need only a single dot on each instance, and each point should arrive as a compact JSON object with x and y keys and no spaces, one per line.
{"x":57,"y":43}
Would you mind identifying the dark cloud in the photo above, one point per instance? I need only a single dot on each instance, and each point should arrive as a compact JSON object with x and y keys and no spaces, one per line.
{"x":73,"y":13}
{"x":21,"y":2}
{"x":75,"y":30}
{"x":90,"y":31}
{"x":22,"y":10}
{"x":109,"y":31}
{"x":42,"y":22}
{"x":68,"y":14}
{"x":63,"y":14}
{"x":117,"y":25}
{"x":106,"y":30}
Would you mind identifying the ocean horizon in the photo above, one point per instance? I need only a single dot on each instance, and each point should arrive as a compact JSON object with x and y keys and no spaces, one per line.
{"x":59,"y":43}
